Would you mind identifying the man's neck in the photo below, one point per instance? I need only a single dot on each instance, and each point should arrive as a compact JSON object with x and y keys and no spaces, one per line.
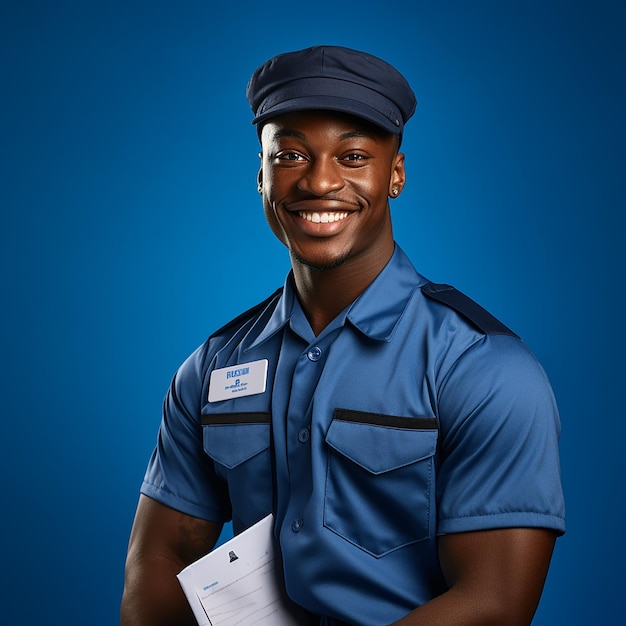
{"x":323,"y":294}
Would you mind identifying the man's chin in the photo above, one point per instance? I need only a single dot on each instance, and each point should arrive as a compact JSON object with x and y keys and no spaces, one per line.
{"x":320,"y":266}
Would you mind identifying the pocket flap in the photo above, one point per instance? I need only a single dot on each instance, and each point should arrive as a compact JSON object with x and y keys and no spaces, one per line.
{"x":381,"y":443}
{"x":232,"y":438}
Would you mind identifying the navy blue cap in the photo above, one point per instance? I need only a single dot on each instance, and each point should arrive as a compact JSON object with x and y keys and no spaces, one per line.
{"x":332,"y":78}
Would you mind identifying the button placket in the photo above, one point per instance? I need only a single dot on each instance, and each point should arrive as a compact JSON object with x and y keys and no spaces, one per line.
{"x":306,"y":375}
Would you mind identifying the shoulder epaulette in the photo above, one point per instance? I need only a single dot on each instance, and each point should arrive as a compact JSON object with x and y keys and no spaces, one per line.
{"x":257,"y":308}
{"x":465,"y":306}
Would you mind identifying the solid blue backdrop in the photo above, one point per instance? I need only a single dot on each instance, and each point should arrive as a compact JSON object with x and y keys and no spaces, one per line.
{"x":131,"y":229}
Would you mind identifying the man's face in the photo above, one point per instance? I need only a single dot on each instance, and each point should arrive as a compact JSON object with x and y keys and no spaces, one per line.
{"x":325,"y":180}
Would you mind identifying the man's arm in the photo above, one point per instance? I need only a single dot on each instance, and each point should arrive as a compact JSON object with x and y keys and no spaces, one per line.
{"x":163,"y":541}
{"x":495,"y":577}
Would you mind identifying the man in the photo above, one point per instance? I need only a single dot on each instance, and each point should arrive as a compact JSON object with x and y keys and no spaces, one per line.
{"x":405,"y":440}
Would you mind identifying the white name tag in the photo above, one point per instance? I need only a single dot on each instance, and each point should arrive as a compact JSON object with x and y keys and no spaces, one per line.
{"x":245,"y":379}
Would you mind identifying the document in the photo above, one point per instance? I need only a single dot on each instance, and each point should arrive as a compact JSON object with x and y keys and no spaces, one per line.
{"x":241,"y":583}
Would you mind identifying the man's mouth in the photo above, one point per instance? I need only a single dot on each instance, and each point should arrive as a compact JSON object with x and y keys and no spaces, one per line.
{"x":324,"y":217}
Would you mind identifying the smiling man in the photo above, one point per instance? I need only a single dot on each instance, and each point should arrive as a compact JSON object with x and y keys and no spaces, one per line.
{"x":405,"y":440}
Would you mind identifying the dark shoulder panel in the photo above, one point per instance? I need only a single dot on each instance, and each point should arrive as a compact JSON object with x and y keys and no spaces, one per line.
{"x":470,"y":310}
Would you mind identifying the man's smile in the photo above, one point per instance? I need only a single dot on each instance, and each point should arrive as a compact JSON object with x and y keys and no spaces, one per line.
{"x":324,"y":217}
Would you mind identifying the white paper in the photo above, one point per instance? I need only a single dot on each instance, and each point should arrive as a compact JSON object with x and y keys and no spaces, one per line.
{"x":240,"y":583}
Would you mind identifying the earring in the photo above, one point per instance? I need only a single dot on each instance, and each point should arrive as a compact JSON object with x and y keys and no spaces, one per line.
{"x":394,"y":191}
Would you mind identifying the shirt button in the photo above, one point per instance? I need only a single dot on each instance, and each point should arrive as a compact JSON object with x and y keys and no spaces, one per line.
{"x":297,"y":524}
{"x":314,"y":353}
{"x":303,"y":435}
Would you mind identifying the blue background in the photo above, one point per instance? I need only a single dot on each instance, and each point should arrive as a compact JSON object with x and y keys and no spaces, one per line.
{"x":131,"y":228}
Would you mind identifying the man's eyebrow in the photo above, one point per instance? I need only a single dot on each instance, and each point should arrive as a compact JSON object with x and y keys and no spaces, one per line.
{"x":360,"y":132}
{"x":288,"y":132}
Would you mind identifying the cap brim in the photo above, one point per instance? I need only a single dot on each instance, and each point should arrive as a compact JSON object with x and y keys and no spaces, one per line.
{"x":389,"y":124}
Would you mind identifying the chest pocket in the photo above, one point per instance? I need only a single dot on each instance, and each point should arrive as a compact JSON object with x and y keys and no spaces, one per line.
{"x":239,"y":444}
{"x":380,"y":479}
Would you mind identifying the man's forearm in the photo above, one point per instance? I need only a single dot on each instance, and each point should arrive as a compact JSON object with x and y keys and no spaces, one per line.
{"x":153,"y":596}
{"x":453,"y":609}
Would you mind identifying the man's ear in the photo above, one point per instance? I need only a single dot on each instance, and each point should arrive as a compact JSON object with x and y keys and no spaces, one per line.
{"x":259,"y":180}
{"x":398,"y":176}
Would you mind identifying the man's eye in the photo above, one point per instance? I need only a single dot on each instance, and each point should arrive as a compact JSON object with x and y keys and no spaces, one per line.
{"x":354,"y":157}
{"x":289,"y":156}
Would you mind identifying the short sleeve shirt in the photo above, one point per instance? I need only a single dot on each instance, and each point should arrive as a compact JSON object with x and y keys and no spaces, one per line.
{"x":400,"y":422}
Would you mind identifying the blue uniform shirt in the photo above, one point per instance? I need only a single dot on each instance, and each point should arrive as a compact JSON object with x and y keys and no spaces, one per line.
{"x":399,"y":422}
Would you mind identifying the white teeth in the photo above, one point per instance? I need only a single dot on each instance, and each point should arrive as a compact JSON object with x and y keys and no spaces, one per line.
{"x":323,"y":218}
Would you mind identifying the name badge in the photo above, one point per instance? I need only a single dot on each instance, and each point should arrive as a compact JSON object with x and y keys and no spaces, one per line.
{"x":245,"y":379}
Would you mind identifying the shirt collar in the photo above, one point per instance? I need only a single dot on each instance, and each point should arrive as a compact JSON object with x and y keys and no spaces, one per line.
{"x":375,"y":313}
{"x":278,"y":319}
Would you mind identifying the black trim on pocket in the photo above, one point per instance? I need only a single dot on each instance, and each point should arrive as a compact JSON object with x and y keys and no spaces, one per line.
{"x":236,"y":418}
{"x":379,"y":419}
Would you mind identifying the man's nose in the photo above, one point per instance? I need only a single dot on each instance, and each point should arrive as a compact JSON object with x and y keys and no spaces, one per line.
{"x":321,"y":177}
